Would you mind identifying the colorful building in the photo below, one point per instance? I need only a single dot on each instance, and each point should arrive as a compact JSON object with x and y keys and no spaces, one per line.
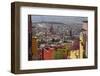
{"x":34,"y":48}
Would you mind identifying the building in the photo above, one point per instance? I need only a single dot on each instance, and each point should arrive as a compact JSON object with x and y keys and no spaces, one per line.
{"x":84,"y":40}
{"x":34,"y":48}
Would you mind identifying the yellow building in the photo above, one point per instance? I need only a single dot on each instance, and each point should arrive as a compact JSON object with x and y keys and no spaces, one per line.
{"x":80,"y":52}
{"x":71,"y":54}
{"x":83,"y":40}
{"x":34,"y":48}
{"x":81,"y":45}
{"x":74,"y":54}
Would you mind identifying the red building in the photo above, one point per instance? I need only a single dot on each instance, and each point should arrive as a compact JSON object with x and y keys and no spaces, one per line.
{"x":46,"y":54}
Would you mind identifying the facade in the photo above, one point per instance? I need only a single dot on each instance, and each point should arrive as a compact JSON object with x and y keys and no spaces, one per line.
{"x":34,"y":48}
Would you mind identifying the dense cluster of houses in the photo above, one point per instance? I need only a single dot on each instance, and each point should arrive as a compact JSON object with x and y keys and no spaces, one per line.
{"x":52,"y":40}
{"x":51,"y":45}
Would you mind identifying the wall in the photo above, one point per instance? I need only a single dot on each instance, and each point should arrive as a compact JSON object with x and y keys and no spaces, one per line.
{"x":5,"y":42}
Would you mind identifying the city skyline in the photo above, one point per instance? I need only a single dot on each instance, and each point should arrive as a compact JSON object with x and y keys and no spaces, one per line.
{"x":58,"y":37}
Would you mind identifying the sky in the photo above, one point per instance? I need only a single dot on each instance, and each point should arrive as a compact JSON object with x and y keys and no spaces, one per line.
{"x":60,"y":19}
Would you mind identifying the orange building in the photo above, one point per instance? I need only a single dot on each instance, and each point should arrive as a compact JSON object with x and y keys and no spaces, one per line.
{"x":48,"y":53}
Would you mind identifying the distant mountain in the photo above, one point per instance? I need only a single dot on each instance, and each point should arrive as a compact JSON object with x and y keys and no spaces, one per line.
{"x":57,"y":26}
